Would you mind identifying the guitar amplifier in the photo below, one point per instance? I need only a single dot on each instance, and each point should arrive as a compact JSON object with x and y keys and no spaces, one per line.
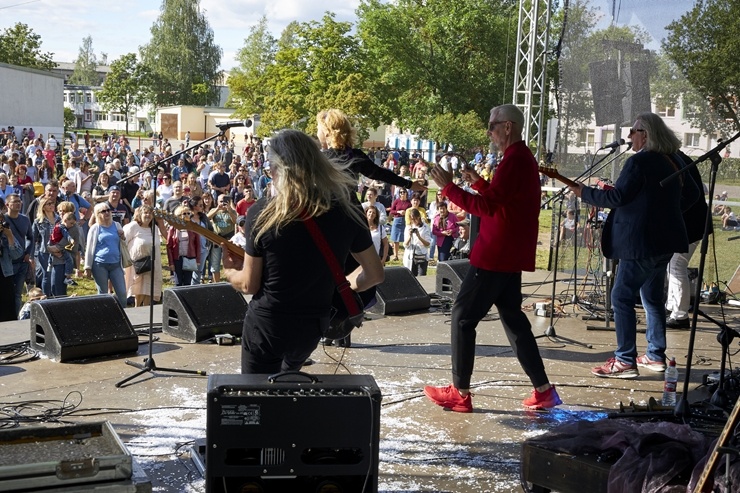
{"x":292,"y":432}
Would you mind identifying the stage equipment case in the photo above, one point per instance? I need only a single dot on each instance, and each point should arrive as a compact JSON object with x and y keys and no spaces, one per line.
{"x":292,"y":432}
{"x":83,"y":457}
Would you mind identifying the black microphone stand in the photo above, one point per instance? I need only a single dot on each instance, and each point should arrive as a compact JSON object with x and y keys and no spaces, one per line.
{"x":682,"y":409}
{"x":725,"y":337}
{"x":149,"y":365}
{"x":550,"y":331}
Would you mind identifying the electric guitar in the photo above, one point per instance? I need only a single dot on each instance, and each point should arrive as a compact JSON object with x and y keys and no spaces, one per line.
{"x":341,"y":323}
{"x":183,"y":225}
{"x":706,"y":483}
{"x":553,"y":173}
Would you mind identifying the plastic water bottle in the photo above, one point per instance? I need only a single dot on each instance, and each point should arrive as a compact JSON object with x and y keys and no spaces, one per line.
{"x":669,"y":387}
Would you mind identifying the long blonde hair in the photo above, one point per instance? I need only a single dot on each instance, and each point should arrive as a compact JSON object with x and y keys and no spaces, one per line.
{"x":305,"y":182}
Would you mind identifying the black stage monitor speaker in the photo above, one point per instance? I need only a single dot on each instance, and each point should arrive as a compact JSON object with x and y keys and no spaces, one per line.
{"x":67,"y":329}
{"x":450,"y":275}
{"x":399,"y":292}
{"x":199,"y":312}
{"x":292,"y":432}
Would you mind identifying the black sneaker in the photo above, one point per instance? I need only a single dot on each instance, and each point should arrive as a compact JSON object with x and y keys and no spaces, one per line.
{"x":673,"y":323}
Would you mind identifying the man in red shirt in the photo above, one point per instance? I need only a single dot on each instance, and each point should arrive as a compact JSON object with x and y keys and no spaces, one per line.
{"x":508,"y":208}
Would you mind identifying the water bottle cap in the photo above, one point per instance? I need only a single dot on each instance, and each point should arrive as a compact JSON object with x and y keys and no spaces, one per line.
{"x":672,"y":362}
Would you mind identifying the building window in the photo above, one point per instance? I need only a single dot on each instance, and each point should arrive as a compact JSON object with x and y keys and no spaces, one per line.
{"x":117,"y":117}
{"x":88,"y":115}
{"x":607,"y":137}
{"x":88,"y":97}
{"x":666,"y":110}
{"x":586,"y":138}
{"x":691,"y":140}
{"x":65,"y":97}
{"x":100,"y":116}
{"x":71,"y":97}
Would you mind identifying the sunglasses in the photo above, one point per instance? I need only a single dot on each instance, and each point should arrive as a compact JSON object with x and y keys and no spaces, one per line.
{"x":633,"y":131}
{"x":105,"y":211}
{"x":492,"y":125}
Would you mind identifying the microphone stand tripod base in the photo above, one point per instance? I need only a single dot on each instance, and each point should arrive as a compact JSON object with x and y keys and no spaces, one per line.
{"x":149,"y":366}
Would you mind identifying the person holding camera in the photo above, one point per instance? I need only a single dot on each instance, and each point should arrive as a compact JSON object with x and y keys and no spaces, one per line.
{"x":418,"y":237}
{"x":223,"y":217}
{"x":11,"y":250}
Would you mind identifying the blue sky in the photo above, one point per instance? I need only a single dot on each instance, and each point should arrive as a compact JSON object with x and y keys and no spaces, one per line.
{"x":119,"y":27}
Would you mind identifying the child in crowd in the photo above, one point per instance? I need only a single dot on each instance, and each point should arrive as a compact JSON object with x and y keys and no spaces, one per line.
{"x":34,"y":294}
{"x":65,"y":238}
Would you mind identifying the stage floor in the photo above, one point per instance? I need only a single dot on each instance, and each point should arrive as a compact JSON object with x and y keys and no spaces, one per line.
{"x":423,"y":448}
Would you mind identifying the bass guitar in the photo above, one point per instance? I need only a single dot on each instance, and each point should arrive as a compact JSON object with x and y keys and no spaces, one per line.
{"x":553,"y":173}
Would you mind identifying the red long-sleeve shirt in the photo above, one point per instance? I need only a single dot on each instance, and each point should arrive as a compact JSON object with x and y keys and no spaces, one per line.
{"x":509,"y":209}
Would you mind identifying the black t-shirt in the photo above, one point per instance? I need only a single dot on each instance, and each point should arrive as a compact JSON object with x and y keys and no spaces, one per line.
{"x":296,"y":279}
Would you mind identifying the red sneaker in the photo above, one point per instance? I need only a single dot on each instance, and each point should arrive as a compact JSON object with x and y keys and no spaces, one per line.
{"x":449,"y":398}
{"x":613,"y":368}
{"x":542,"y":400}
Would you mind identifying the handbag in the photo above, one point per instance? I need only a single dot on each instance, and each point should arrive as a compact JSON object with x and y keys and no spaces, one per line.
{"x":126,"y":260}
{"x":189,"y":264}
{"x":143,"y":265}
{"x":348,"y":310}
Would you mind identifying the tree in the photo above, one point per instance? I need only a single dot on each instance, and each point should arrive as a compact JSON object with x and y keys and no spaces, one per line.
{"x":19,"y":45}
{"x":703,"y":46}
{"x":247,"y":81}
{"x":69,"y":119}
{"x":437,"y":57}
{"x":317,"y":65}
{"x":86,"y":66}
{"x":125,"y":88}
{"x":181,"y":55}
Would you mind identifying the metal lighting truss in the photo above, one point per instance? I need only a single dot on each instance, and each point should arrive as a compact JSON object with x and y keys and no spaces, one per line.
{"x":530,"y":69}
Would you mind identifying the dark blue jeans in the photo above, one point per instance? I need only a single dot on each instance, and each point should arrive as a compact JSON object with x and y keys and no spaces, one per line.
{"x":646,"y":277}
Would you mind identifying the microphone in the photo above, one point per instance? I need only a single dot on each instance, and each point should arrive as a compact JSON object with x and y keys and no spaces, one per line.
{"x":234,"y":123}
{"x":613,"y":145}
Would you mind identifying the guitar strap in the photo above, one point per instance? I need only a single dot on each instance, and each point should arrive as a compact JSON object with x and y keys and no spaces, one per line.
{"x":345,"y":291}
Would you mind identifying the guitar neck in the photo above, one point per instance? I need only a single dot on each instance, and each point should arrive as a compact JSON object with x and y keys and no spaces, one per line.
{"x":181,"y":224}
{"x":553,"y":173}
{"x":705,"y":483}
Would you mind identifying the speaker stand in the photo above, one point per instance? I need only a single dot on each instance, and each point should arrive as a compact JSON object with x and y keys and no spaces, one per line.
{"x":149,"y":365}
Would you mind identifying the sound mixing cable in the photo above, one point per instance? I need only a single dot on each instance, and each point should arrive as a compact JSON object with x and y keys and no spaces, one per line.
{"x":20,"y":352}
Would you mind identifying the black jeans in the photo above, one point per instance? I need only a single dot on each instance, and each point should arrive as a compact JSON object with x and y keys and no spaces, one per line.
{"x":480,"y":290}
{"x":274,"y":343}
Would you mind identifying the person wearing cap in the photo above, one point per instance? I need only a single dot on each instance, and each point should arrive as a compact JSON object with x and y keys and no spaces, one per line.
{"x":264,"y":180}
{"x":461,"y":245}
{"x":129,"y":186}
{"x":119,"y":210}
{"x":240,"y":238}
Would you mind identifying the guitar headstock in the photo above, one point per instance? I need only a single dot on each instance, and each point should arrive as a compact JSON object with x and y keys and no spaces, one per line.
{"x":171,"y":219}
{"x":548,"y":171}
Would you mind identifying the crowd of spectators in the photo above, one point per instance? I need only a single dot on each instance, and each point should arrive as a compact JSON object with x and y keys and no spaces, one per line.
{"x":72,"y":208}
